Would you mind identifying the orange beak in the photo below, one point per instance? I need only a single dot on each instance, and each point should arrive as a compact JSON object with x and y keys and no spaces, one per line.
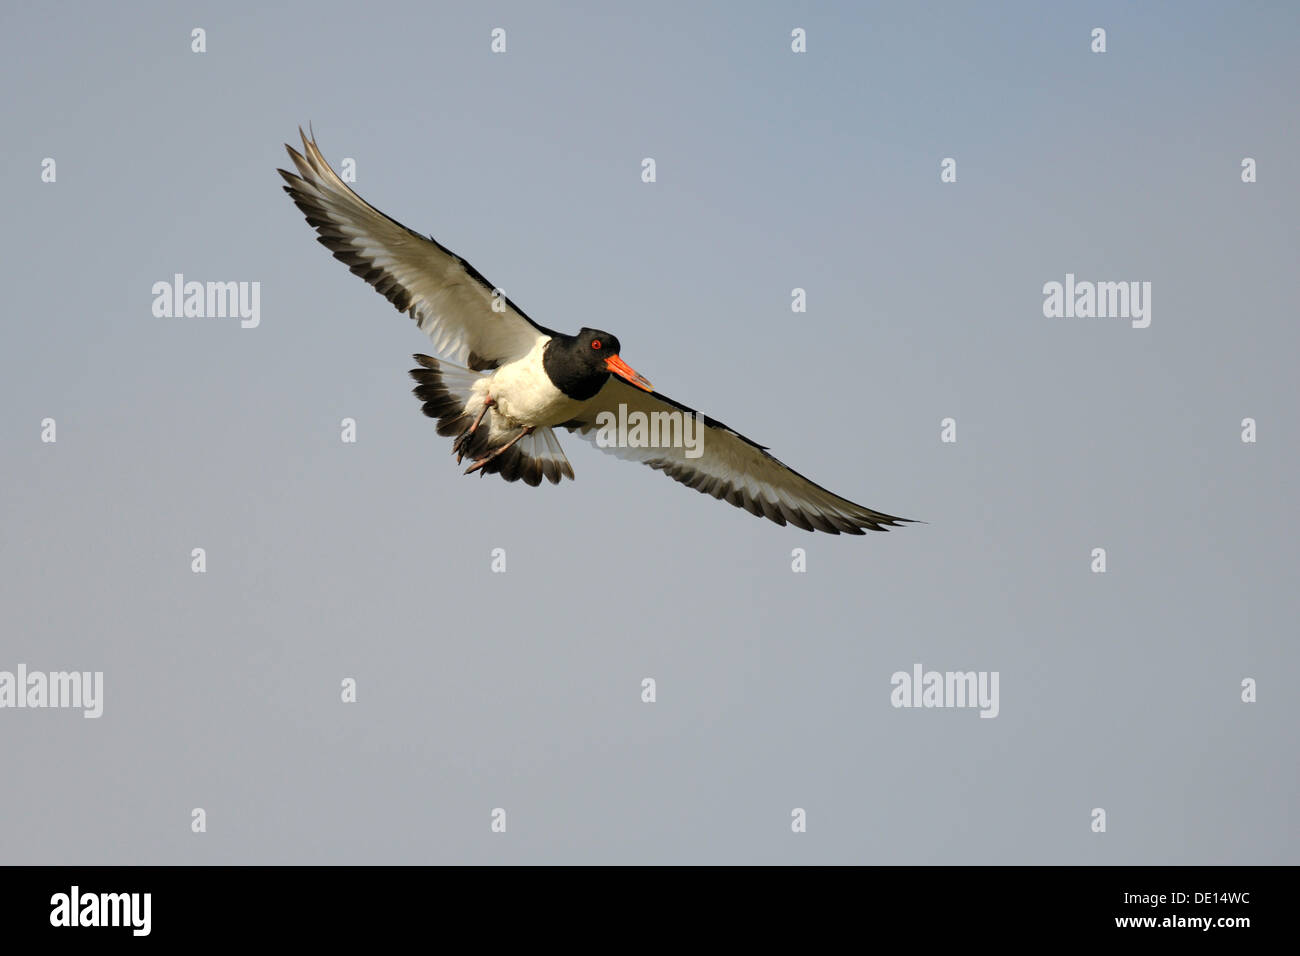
{"x":628,"y":373}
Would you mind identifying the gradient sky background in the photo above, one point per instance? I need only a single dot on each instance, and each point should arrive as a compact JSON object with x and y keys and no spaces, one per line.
{"x":522,"y":690}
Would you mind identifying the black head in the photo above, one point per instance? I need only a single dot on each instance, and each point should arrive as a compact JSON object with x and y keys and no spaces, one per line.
{"x":599,"y":344}
{"x":579,"y":365}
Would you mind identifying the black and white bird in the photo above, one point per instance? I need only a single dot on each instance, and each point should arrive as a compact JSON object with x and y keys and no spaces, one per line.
{"x":507,"y":383}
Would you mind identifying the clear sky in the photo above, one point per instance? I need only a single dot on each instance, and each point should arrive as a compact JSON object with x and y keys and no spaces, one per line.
{"x":523,"y":690}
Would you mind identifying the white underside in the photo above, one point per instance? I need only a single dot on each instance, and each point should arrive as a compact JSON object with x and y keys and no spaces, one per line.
{"x":524,"y":395}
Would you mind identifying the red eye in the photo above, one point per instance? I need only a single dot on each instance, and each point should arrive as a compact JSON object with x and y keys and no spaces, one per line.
{"x":595,"y":343}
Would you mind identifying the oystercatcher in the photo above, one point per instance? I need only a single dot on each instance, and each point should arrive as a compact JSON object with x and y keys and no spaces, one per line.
{"x":508,"y":382}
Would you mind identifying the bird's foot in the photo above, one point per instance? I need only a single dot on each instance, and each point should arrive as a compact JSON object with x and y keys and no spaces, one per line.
{"x":480,"y":462}
{"x":462,"y":443}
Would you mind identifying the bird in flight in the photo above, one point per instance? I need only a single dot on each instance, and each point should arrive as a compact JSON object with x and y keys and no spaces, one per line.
{"x":507,"y":383}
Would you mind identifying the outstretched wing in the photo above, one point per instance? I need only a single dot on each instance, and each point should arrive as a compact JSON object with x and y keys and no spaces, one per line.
{"x":730,"y":466}
{"x":449,"y":299}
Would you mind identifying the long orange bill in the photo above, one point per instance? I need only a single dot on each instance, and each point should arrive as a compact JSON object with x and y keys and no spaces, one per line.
{"x":628,"y":373}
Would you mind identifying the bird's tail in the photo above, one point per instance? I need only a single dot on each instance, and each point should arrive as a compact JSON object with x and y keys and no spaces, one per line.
{"x":449,"y":397}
